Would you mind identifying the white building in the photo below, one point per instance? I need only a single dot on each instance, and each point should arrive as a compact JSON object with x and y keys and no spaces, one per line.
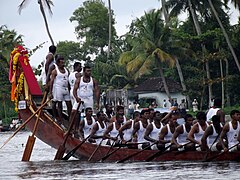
{"x":153,"y":89}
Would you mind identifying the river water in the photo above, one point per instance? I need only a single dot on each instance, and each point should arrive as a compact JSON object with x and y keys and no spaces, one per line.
{"x":42,"y":166}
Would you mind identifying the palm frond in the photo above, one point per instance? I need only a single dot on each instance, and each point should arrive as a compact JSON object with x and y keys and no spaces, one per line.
{"x":164,"y":57}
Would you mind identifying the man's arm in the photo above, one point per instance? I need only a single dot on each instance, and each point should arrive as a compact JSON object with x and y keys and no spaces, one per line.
{"x":123,"y":128}
{"x":81,"y":125}
{"x":179,"y":130}
{"x":223,"y":135}
{"x":108,"y":130}
{"x":222,"y":116}
{"x":208,"y":132}
{"x":75,"y":88}
{"x":49,"y":60}
{"x":54,"y":74}
{"x":162,"y":134}
{"x":148,"y":131}
{"x":49,"y":73}
{"x":190,"y":136}
{"x":97,"y":93}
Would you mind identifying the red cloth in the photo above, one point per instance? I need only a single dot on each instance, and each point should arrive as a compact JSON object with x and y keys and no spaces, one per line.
{"x":30,"y":77}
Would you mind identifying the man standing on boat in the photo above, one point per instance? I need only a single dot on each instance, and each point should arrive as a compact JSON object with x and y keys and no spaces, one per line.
{"x":77,"y":67}
{"x":216,"y":110}
{"x":84,"y":89}
{"x":59,"y":80}
{"x":47,"y":64}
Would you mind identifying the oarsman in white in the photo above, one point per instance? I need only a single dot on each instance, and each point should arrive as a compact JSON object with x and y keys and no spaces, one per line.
{"x":59,"y":80}
{"x":84,"y":89}
{"x":77,"y":67}
{"x":180,"y":135}
{"x":99,"y":128}
{"x":140,"y":128}
{"x":86,"y":125}
{"x":151,"y":115}
{"x":198,"y":130}
{"x":109,"y":111}
{"x":210,"y":138}
{"x":112,"y":131}
{"x":153,"y":129}
{"x":216,"y":110}
{"x":119,"y":110}
{"x":231,"y":132}
{"x":166,"y":133}
{"x":47,"y":64}
{"x":126,"y":130}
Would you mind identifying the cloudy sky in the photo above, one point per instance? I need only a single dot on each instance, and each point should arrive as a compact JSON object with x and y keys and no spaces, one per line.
{"x":31,"y":25}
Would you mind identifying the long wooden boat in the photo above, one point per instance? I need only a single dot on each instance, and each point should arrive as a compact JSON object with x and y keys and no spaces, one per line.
{"x":52,"y":134}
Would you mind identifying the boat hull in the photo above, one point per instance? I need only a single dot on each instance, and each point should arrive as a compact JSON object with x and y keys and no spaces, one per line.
{"x":50,"y":133}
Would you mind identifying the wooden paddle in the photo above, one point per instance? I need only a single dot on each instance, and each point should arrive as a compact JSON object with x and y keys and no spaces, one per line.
{"x":31,"y":139}
{"x":71,"y":153}
{"x":158,"y":153}
{"x":113,"y":143}
{"x":61,"y":150}
{"x":136,"y":153}
{"x":221,"y":153}
{"x":94,"y":152}
{"x":119,"y":147}
{"x":209,"y":150}
{"x":24,"y":124}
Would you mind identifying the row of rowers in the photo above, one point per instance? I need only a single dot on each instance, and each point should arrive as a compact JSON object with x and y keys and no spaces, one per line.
{"x":157,"y":131}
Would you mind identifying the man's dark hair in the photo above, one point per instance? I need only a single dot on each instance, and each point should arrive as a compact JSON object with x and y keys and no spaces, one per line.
{"x":234,"y":112}
{"x":87,"y":109}
{"x":99,"y":113}
{"x":76,"y":64}
{"x":52,"y":49}
{"x":217,"y":103}
{"x":216,"y":118}
{"x":144,"y":110}
{"x":201,"y":116}
{"x":187,"y":116}
{"x":86,"y":67}
{"x":58,"y":58}
{"x":119,"y":108}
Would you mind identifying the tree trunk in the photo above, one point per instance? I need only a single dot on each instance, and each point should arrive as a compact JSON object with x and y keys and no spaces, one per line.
{"x":228,"y":103}
{"x":222,"y":82}
{"x":198,"y":29}
{"x":225,"y":34}
{"x":165,"y":13}
{"x":109,"y":28}
{"x":179,"y":69}
{"x":164,"y":82}
{"x":45,"y":21}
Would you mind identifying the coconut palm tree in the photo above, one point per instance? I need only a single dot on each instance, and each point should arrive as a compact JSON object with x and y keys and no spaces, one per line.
{"x":42,"y":5}
{"x":192,"y":6}
{"x":224,"y":32}
{"x":147,"y":52}
{"x":109,"y":27}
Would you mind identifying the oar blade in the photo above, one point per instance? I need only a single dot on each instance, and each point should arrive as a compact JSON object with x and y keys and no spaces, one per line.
{"x":29,"y":147}
{"x":60,"y":152}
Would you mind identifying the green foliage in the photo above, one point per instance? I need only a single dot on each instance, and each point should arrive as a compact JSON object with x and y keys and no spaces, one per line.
{"x":92,"y":26}
{"x":70,"y":51}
